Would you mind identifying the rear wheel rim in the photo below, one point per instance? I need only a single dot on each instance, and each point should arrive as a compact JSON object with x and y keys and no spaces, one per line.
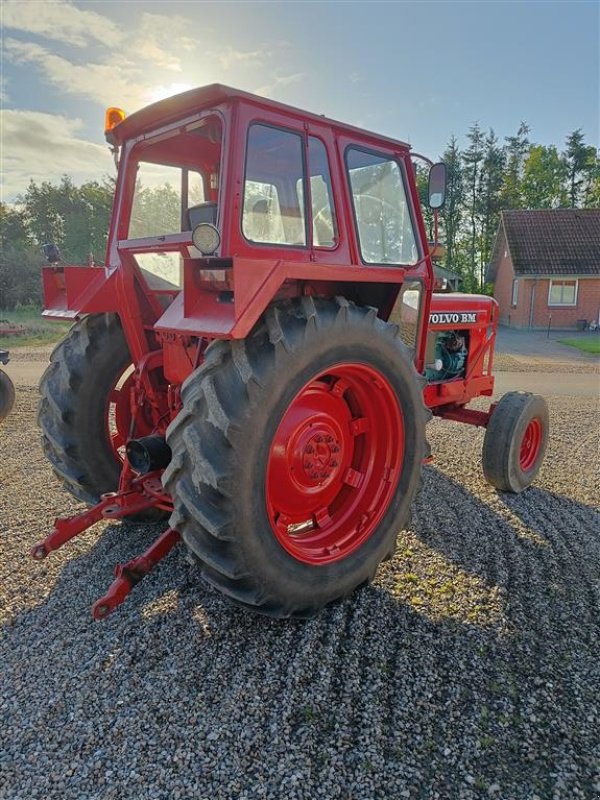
{"x":334,"y":463}
{"x":117,"y":417}
{"x":531,"y":444}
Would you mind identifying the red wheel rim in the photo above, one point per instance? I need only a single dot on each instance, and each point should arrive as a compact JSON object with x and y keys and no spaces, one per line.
{"x":334,"y":463}
{"x":530,"y":445}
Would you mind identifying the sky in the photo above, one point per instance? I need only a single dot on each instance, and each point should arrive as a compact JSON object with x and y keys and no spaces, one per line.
{"x":416,"y":71}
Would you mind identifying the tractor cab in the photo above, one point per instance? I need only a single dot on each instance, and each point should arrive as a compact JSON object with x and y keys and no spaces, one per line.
{"x":227,"y":202}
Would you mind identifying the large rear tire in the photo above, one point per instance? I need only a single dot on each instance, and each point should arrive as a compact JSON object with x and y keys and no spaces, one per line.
{"x":515,"y":441}
{"x":84,"y":408}
{"x":297,"y":455}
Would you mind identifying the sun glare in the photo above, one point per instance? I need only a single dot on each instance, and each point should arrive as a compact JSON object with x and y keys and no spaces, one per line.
{"x":161,"y":92}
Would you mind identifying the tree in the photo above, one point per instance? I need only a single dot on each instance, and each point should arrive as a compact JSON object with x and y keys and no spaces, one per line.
{"x":452,"y":213}
{"x":19,"y":260}
{"x":579,"y":164}
{"x":492,"y":174}
{"x":592,"y":189}
{"x":516,"y":149}
{"x":472,"y":161}
{"x":543,"y":177}
{"x":74,"y":218}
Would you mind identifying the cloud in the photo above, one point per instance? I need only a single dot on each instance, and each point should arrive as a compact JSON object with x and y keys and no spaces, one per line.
{"x":228,"y":57}
{"x":43,"y":147}
{"x":108,"y":84}
{"x":4,"y":98}
{"x":160,"y":38}
{"x":60,"y":21}
{"x":278,"y":82}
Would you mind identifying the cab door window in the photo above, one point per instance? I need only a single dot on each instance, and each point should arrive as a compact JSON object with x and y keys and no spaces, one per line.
{"x":273,"y":213}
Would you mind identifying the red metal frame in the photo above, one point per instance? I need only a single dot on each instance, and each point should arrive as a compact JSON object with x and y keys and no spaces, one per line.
{"x":225,"y":296}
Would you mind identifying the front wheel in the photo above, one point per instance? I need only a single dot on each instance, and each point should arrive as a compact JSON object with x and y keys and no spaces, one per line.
{"x":297,"y":455}
{"x":515,"y":441}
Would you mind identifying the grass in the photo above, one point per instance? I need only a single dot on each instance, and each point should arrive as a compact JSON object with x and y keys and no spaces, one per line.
{"x":591,"y":345}
{"x":37,"y":331}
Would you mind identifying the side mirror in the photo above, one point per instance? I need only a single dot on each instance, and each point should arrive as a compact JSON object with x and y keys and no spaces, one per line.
{"x":437,"y":185}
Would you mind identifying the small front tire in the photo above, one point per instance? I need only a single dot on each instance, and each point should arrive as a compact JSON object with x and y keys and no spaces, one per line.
{"x":515,"y":441}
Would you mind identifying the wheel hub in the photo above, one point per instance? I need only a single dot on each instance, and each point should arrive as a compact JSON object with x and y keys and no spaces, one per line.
{"x":321,"y":456}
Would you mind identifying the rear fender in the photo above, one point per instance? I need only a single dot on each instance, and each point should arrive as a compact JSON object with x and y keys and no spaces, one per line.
{"x":72,"y":291}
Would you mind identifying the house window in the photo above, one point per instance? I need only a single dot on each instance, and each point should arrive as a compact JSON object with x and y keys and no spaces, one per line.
{"x":562,"y":293}
{"x":515,"y":292}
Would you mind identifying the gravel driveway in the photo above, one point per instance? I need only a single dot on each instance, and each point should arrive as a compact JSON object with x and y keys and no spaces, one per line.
{"x":469,"y":669}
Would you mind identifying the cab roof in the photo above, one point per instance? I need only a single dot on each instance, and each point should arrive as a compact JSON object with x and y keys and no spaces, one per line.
{"x":187,"y":103}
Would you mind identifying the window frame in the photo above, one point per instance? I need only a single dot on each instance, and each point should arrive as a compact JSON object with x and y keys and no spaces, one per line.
{"x":127,"y":173}
{"x":303,"y":142}
{"x":330,"y":195}
{"x":562,"y":281}
{"x":409,"y":203}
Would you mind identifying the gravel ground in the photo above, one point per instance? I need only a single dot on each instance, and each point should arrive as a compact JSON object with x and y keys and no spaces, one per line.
{"x":503,"y":362}
{"x":469,"y":669}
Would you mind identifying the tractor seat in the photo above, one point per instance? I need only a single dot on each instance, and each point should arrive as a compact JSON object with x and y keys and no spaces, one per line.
{"x":203,"y":212}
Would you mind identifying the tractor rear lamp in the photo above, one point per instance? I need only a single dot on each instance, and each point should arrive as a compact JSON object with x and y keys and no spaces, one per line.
{"x":112,"y":117}
{"x":206,"y":238}
{"x":148,"y":454}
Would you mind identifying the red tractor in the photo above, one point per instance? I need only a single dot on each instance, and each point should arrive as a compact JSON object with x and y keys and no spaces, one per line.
{"x":261,"y":351}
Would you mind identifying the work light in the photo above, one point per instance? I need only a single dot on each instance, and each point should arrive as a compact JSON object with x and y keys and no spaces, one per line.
{"x":206,"y":238}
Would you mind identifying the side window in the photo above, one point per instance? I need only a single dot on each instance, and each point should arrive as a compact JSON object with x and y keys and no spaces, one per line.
{"x":384,"y":225}
{"x":273,"y":213}
{"x":323,"y":213}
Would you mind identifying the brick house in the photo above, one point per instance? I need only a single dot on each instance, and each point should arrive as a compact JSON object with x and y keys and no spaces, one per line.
{"x":546,"y":263}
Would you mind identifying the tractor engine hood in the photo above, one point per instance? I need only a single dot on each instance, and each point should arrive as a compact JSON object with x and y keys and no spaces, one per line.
{"x":453,"y":310}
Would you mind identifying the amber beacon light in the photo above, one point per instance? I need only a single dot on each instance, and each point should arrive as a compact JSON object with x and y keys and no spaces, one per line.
{"x":112,"y":117}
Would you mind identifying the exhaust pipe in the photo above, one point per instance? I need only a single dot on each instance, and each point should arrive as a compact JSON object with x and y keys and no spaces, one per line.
{"x":148,"y":454}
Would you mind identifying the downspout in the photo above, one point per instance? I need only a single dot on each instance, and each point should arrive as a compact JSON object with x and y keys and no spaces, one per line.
{"x":532,"y":302}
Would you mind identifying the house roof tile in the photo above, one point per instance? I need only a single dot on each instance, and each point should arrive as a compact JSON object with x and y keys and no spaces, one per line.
{"x":550,"y":242}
